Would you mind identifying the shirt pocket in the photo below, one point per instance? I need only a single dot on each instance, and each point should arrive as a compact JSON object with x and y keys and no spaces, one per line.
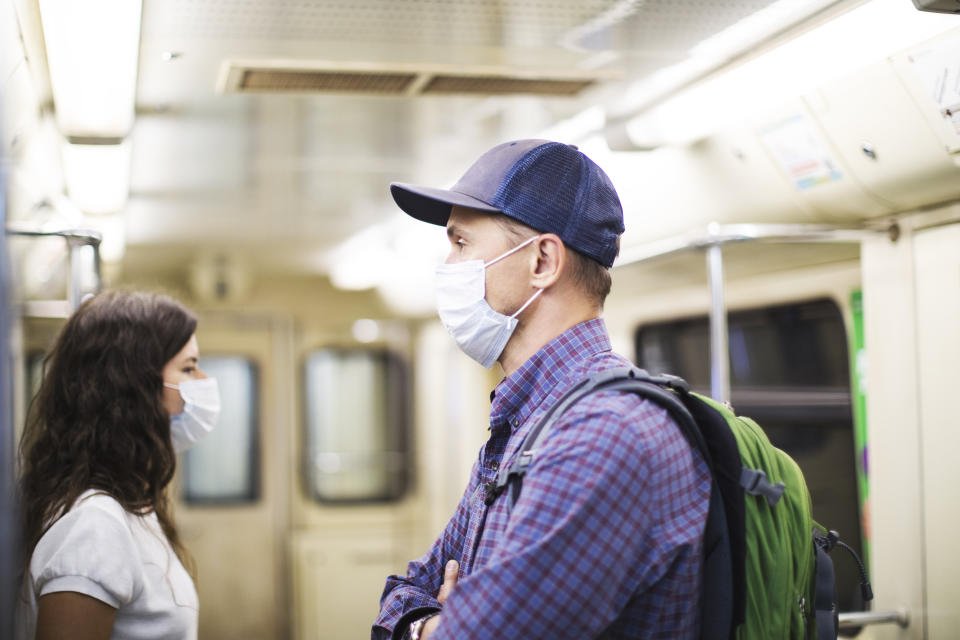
{"x":163,"y":568}
{"x":181,"y":584}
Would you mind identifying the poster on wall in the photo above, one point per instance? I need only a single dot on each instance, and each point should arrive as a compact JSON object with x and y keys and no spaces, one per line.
{"x":801,"y":152}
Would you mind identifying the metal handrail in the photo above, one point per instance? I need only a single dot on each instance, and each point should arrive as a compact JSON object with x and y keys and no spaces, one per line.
{"x":81,"y":236}
{"x":864,"y":618}
{"x":723,"y":234}
{"x":712,"y":240}
{"x":75,"y":239}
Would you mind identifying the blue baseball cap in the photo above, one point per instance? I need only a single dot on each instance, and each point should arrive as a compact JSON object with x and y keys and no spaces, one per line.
{"x":549,"y":186}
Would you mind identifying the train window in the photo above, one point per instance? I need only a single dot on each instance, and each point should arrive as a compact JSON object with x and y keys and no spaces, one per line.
{"x":357,"y":424}
{"x":789,"y":370}
{"x":224,"y":466}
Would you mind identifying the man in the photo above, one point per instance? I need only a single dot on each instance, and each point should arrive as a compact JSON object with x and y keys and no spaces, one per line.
{"x":605,"y":538}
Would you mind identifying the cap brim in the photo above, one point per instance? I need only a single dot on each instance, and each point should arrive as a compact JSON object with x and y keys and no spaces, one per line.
{"x":433,"y":205}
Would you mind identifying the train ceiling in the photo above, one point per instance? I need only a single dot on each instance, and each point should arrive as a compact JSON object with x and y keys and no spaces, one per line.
{"x":289,"y":172}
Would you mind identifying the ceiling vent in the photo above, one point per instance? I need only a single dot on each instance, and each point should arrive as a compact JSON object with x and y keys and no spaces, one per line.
{"x":311,"y":78}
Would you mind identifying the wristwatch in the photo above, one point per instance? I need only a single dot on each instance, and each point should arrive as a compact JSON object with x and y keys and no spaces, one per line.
{"x":416,"y":627}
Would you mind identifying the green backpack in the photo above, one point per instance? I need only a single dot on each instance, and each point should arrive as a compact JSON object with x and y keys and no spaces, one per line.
{"x":766,"y":572}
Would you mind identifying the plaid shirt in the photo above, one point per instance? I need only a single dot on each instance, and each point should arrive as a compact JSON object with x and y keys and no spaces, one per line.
{"x":605,"y":539}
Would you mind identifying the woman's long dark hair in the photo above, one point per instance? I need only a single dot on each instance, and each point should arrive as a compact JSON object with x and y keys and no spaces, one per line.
{"x":98,"y":420}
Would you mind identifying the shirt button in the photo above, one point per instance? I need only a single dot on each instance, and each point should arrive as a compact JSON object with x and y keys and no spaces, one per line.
{"x":516,"y":422}
{"x":494,"y":464}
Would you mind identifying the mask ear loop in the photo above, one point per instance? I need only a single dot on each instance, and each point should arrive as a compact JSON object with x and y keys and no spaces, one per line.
{"x":509,"y":253}
{"x":512,"y":251}
{"x":171,"y":386}
{"x":527,"y":303}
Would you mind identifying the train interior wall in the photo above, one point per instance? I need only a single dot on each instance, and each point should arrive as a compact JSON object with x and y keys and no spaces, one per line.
{"x":279,"y":563}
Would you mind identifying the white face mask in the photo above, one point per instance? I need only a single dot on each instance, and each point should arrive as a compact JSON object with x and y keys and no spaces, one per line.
{"x":478,"y":330}
{"x":201,"y":408}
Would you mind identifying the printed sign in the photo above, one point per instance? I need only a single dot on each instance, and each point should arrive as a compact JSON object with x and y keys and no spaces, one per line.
{"x":800,"y":150}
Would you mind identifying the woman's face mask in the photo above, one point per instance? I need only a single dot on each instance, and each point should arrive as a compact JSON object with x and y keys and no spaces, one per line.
{"x":201,"y":408}
{"x":481,"y":332}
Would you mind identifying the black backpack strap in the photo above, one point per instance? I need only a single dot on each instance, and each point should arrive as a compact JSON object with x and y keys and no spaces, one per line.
{"x":726,"y":496}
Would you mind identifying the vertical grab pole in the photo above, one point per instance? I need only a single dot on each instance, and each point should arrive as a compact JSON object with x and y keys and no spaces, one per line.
{"x":719,"y":348}
{"x":75,"y":286}
{"x":97,"y":268}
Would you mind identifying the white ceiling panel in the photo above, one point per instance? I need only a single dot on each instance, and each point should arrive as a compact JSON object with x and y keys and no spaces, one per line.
{"x":285,"y":176}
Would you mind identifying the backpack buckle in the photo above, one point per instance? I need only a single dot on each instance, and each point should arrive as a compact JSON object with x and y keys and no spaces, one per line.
{"x":491,"y":492}
{"x":827,"y":542}
{"x":494,"y":488}
{"x":523,"y":461}
{"x":755,"y":482}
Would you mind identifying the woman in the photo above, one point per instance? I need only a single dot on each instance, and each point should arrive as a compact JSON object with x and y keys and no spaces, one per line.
{"x":122,"y":393}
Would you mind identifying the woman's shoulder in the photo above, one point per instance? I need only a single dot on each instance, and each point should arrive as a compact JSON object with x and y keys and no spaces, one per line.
{"x":93,"y":514}
{"x":95,"y":499}
{"x":90,"y":549}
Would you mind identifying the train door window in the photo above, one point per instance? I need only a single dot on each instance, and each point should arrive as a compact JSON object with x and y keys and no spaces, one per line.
{"x":789,"y":370}
{"x":357,"y":423}
{"x":224,"y":466}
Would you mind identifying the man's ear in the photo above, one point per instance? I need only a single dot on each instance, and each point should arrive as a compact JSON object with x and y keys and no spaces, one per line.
{"x":550,"y":260}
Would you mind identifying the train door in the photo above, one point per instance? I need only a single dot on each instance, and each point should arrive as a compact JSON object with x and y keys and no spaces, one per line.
{"x":937,"y":279}
{"x":363,"y":503}
{"x":353,"y":507}
{"x":232,"y":509}
{"x":912,"y":310}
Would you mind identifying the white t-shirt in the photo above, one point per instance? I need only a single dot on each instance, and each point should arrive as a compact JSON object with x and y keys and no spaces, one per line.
{"x":101,"y":550}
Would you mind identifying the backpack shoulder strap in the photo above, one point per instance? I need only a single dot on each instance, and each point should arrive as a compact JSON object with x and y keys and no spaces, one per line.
{"x":629,"y":379}
{"x":722,"y":594}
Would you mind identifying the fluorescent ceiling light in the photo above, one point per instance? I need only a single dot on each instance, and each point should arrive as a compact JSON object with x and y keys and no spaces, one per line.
{"x":407,"y":287}
{"x":851,"y":41}
{"x":757,"y":27}
{"x":376,"y":254}
{"x":92,"y":52}
{"x":396,"y":257}
{"x":361,"y":261}
{"x":719,"y":49}
{"x":97,"y":176}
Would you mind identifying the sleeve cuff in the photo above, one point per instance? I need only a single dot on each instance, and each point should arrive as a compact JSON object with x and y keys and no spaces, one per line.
{"x":86,"y":586}
{"x":400,"y":629}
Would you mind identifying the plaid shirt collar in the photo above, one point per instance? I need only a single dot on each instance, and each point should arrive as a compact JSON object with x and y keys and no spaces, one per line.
{"x":516,"y":397}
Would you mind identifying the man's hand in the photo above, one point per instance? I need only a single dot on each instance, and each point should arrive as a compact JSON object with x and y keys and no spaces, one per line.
{"x":450,"y":573}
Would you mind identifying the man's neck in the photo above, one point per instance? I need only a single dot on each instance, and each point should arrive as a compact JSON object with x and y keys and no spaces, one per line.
{"x":547,"y":322}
